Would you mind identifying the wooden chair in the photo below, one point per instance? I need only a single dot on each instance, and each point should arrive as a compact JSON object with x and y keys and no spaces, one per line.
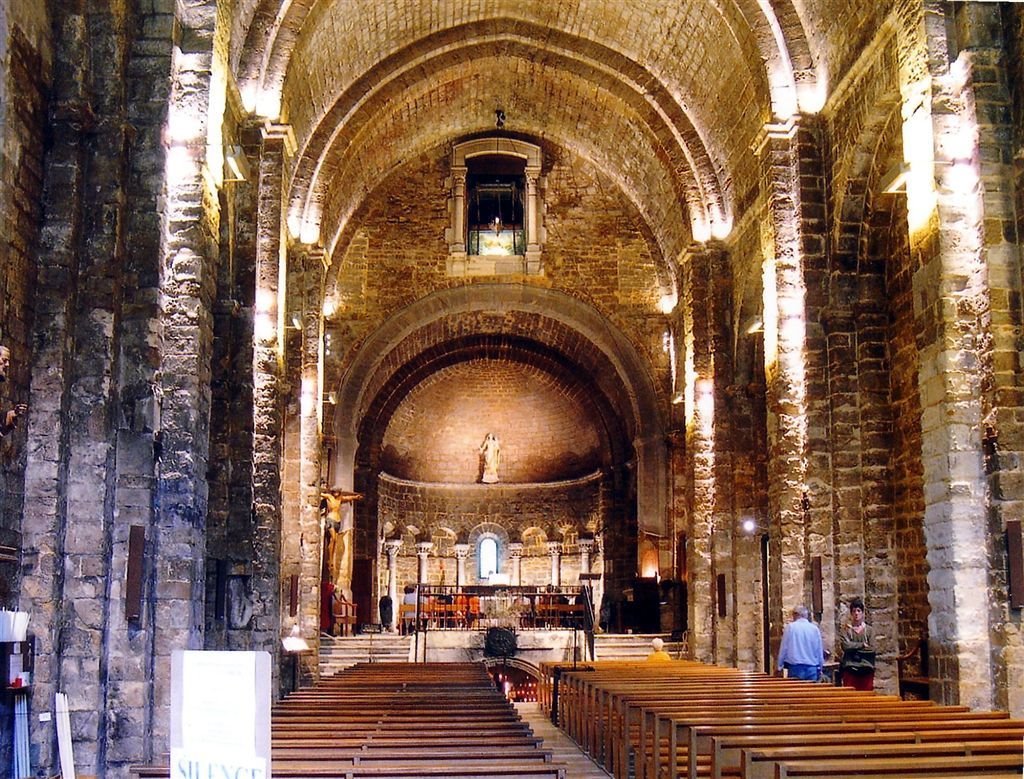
{"x":912,"y":670}
{"x":344,"y":614}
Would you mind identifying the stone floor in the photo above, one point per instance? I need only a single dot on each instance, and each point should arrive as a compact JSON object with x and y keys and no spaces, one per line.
{"x":562,"y":747}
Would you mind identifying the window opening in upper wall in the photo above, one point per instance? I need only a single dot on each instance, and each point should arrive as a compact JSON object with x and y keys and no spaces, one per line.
{"x":497,"y":208}
{"x":495,"y":191}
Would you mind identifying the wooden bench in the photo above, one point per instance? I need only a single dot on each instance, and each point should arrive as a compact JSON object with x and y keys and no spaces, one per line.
{"x":898,"y":766}
{"x":763,"y":762}
{"x":727,"y":747}
{"x":676,"y":719}
{"x":402,"y":721}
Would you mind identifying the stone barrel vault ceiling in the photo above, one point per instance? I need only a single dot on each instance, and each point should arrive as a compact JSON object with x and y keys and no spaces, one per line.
{"x":666,"y":98}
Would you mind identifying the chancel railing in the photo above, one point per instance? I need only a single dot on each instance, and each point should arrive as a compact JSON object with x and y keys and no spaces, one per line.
{"x":484,"y":606}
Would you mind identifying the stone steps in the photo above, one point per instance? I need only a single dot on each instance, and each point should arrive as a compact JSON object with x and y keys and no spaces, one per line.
{"x":633,"y":646}
{"x":339,"y":652}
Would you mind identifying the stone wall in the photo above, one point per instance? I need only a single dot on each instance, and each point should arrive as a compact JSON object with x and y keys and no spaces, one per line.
{"x":25,"y":73}
{"x":530,"y":514}
{"x":596,"y":251}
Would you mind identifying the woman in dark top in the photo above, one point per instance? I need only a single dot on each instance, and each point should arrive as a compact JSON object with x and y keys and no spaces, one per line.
{"x":857,"y":641}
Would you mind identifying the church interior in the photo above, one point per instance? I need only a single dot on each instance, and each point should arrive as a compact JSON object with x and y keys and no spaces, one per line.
{"x":328,"y":317}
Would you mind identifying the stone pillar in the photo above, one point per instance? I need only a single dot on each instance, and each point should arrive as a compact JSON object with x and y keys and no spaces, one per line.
{"x":984,"y":42}
{"x":423,"y":553}
{"x":786,"y":349}
{"x":458,"y":239}
{"x":461,"y":553}
{"x":267,"y":405}
{"x":308,"y":276}
{"x":187,"y":284}
{"x":707,"y":360}
{"x":533,"y":207}
{"x":946,"y":209}
{"x":392,"y":546}
{"x":586,"y":546}
{"x":515,"y":553}
{"x":555,"y":550}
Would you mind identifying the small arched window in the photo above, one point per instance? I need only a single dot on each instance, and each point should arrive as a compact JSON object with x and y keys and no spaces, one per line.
{"x":487,"y":555}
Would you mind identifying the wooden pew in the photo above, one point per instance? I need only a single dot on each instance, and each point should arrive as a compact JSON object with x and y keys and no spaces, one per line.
{"x":763,"y":762}
{"x":899,"y":766}
{"x":402,"y":721}
{"x":669,"y":718}
{"x":727,"y":747}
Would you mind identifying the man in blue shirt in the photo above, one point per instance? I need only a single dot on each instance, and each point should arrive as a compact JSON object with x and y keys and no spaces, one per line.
{"x":801,"y":652}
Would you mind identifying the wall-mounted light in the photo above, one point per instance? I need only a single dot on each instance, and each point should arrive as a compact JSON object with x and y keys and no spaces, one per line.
{"x":749,"y":525}
{"x":754,"y":325}
{"x":895,"y":180}
{"x":236,"y":164}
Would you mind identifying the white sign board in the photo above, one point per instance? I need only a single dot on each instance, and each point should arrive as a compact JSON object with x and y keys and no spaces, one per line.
{"x":220,"y":715}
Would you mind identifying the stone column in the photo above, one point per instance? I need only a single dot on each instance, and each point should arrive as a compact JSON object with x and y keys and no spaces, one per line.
{"x":423,"y":552}
{"x":308,"y":277}
{"x":533,"y":208}
{"x":707,"y":357}
{"x":392,"y":546}
{"x":953,"y":293}
{"x":555,"y":550}
{"x":461,"y":553}
{"x":793,"y":348}
{"x":267,"y":410}
{"x":586,"y":546}
{"x":515,"y":553}
{"x":458,"y":239}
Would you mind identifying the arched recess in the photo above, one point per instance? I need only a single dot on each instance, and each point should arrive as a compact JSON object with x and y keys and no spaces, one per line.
{"x":870,"y":329}
{"x":617,"y":370}
{"x":566,"y":335}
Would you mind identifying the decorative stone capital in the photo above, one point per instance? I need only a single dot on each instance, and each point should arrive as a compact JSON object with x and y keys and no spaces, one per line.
{"x":515,"y":549}
{"x":586,"y":544}
{"x":554,"y":547}
{"x":423,"y":547}
{"x":462,"y":551}
{"x":392,"y":546}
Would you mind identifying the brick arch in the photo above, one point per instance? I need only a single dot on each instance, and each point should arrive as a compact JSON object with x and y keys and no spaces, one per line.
{"x":772,"y":34}
{"x":563,"y":330}
{"x":856,"y":173}
{"x":655,"y":198}
{"x":564,"y":427}
{"x":514,"y":349}
{"x":675,"y":141}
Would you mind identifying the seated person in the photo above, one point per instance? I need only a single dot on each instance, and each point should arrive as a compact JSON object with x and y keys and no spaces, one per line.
{"x":407,"y":611}
{"x":658,"y":653}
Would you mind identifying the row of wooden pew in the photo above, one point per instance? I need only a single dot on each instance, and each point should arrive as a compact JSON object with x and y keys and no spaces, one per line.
{"x":655,"y":720}
{"x":402,"y":721}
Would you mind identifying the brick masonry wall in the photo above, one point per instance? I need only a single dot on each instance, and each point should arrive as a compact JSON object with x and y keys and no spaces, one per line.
{"x":596,"y":251}
{"x":545,"y":432}
{"x":26,"y":74}
{"x":21,"y":164}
